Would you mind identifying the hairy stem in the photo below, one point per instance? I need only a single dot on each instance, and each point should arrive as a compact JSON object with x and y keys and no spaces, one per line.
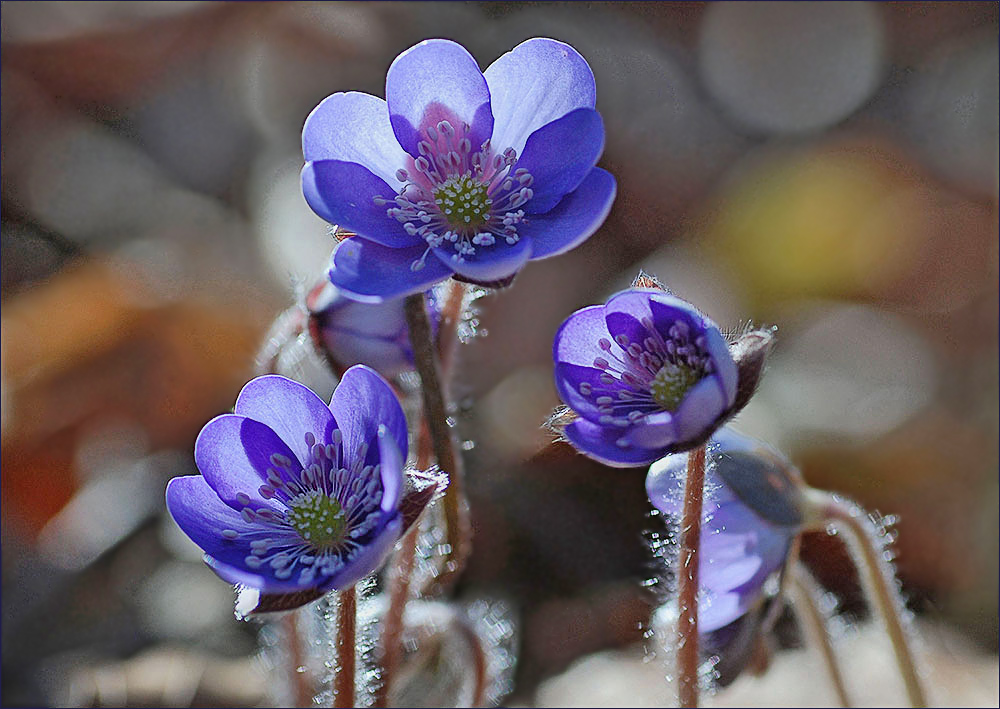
{"x":399,"y":584}
{"x":399,"y":591}
{"x":478,"y":661}
{"x":805,"y":593}
{"x":879,"y":582}
{"x":447,"y":334}
{"x":347,"y":619}
{"x":687,"y":581}
{"x":302,"y":692}
{"x":456,"y":511}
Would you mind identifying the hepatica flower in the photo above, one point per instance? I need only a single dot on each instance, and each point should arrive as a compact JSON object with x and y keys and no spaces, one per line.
{"x":750,"y":519}
{"x":648,"y":374}
{"x":459,"y":171}
{"x":296,"y":495}
{"x":350,"y":332}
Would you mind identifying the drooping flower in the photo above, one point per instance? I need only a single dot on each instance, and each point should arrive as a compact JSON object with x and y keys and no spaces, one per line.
{"x":350,"y":332}
{"x":296,"y":495}
{"x":459,"y":171}
{"x":751,"y":516}
{"x":648,"y":374}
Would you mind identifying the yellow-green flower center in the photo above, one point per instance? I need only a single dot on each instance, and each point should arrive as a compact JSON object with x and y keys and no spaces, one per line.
{"x":671,"y":383}
{"x":464,"y":203}
{"x":319,"y":519}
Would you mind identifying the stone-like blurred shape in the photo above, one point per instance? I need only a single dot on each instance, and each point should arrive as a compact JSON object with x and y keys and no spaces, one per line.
{"x":780,"y":67}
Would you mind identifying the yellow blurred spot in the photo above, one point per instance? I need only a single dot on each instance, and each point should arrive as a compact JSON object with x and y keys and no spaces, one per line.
{"x":844,"y":222}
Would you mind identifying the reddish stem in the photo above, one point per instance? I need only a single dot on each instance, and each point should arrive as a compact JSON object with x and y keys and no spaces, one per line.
{"x":456,"y":510}
{"x":399,"y":590}
{"x":347,"y":618}
{"x":687,"y":581}
{"x":879,"y":583}
{"x":805,"y":594}
{"x":301,"y":688}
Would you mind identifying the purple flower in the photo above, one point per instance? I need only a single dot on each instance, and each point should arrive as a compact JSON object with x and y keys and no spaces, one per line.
{"x":648,"y":375}
{"x":750,"y":519}
{"x":349,"y":332}
{"x":459,"y":171}
{"x":296,"y":495}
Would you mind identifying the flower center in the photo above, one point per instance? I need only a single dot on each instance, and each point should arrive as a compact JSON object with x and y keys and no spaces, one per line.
{"x":463,"y":201}
{"x":319,"y":519}
{"x":671,"y":383}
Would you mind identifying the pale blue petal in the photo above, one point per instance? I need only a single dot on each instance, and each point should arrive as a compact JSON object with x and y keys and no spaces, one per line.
{"x":234,"y":453}
{"x":354,"y":127}
{"x":362,"y":403}
{"x":437,"y":80}
{"x":535,"y":83}
{"x":288,"y":408}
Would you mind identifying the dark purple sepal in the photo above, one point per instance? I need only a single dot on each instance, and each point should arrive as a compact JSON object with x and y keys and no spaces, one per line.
{"x":419,"y":489}
{"x":314,"y":328}
{"x":495,"y":285}
{"x":750,"y":353}
{"x":763,"y":485}
{"x":271,"y":602}
{"x":738,"y":645}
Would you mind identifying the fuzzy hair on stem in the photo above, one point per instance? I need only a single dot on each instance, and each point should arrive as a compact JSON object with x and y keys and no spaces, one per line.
{"x":456,"y":510}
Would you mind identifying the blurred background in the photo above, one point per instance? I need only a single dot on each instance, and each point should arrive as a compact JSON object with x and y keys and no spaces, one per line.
{"x":830,"y":168}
